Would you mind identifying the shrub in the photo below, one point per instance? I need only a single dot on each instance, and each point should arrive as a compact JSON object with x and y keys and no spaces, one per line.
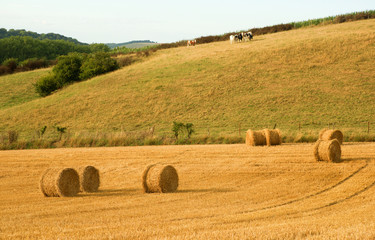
{"x":46,"y":85}
{"x":12,"y":136}
{"x":125,"y":61}
{"x":96,"y":64}
{"x":34,"y":63}
{"x":3,"y":70}
{"x":61,"y":131}
{"x":11,"y":64}
{"x":68,"y":68}
{"x":177,"y":128}
{"x":189,"y":129}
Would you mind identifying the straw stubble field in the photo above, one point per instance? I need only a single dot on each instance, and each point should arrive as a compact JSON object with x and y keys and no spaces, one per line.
{"x":225,"y":191}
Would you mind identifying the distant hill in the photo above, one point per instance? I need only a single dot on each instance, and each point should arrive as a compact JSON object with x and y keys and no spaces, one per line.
{"x":132,"y":44}
{"x":23,"y":33}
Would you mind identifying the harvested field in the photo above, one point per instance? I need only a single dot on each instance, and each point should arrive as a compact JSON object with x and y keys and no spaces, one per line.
{"x":224,"y":192}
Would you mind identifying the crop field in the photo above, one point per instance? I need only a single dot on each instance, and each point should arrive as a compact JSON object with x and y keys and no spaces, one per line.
{"x":225,"y":192}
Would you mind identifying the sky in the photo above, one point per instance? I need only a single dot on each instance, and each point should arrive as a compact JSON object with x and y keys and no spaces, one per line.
{"x":162,"y":21}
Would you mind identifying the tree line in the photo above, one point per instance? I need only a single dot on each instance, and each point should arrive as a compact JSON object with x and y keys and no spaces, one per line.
{"x":23,"y":48}
{"x":23,"y":33}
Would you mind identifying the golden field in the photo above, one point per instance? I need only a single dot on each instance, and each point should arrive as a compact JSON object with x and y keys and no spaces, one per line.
{"x":225,"y":192}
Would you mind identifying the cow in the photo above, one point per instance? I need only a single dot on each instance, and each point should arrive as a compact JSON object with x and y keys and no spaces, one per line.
{"x":240,"y":37}
{"x":248,"y":36}
{"x":191,"y":42}
{"x":233,"y":38}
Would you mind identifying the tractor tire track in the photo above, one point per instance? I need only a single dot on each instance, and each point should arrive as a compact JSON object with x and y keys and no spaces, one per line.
{"x":295,"y":213}
{"x":310,"y":195}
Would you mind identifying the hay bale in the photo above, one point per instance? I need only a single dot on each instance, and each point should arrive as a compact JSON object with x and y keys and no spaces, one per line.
{"x":89,"y":179}
{"x":329,"y":134}
{"x":327,"y":150}
{"x":57,"y":182}
{"x":160,"y":178}
{"x":273,"y":136}
{"x":255,"y":138}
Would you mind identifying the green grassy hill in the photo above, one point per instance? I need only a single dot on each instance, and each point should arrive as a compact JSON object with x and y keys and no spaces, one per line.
{"x":306,"y":78}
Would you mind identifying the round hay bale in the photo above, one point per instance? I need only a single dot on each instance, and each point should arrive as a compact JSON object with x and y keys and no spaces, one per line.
{"x":327,"y":150}
{"x":255,"y":138}
{"x":329,"y":134}
{"x":273,"y":136}
{"x":57,"y":182}
{"x":89,"y":179}
{"x":160,"y":178}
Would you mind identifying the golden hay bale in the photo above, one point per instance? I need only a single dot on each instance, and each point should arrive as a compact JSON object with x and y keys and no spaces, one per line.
{"x":329,"y":134}
{"x":160,"y":178}
{"x":89,"y":179}
{"x":273,"y":136}
{"x":327,"y":150}
{"x":255,"y":138}
{"x":57,"y":182}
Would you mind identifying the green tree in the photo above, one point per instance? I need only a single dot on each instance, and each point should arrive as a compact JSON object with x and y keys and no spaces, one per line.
{"x":99,"y":47}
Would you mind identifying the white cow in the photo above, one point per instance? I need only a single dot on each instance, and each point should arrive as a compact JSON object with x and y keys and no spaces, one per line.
{"x":233,"y":39}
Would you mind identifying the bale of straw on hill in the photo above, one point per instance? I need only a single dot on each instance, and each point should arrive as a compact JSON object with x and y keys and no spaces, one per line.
{"x":329,"y":134}
{"x":89,"y":179}
{"x":160,"y":178}
{"x":327,"y":150}
{"x":273,"y":136}
{"x":255,"y":138}
{"x":59,"y":182}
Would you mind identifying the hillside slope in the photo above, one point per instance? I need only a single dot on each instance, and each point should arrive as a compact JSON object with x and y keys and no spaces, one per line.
{"x":312,"y":76}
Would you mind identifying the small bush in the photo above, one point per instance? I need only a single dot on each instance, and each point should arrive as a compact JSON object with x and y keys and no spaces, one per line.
{"x":46,"y":85}
{"x":177,"y":129}
{"x":68,"y":69}
{"x":339,"y":19}
{"x":12,"y":136}
{"x":4,"y":70}
{"x":125,"y":61}
{"x":34,"y":63}
{"x":11,"y":64}
{"x":96,"y":64}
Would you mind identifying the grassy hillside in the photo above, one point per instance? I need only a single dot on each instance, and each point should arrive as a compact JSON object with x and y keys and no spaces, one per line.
{"x":304,"y":78}
{"x":16,"y":89}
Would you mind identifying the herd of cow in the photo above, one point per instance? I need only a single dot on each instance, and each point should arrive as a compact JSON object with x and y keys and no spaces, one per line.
{"x":239,"y":37}
{"x":232,"y":38}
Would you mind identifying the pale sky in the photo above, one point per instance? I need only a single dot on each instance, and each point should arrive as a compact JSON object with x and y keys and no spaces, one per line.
{"x":163,"y":21}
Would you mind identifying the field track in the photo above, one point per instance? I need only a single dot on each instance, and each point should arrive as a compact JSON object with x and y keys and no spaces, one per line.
{"x":225,"y":192}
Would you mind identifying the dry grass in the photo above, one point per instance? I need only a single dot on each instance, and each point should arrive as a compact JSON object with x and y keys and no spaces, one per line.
{"x":225,"y":192}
